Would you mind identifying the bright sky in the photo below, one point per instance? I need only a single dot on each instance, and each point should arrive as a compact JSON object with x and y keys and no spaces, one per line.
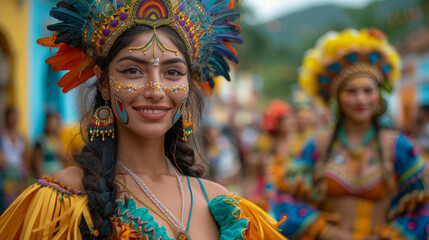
{"x":269,"y":9}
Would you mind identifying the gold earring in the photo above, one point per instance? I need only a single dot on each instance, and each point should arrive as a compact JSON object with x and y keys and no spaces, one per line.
{"x":102,"y":121}
{"x":381,"y":107}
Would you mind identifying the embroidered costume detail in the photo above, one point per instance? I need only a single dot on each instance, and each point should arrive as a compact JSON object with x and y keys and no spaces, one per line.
{"x":133,"y":221}
{"x":409,"y":209}
{"x":88,"y":28}
{"x":120,"y":87}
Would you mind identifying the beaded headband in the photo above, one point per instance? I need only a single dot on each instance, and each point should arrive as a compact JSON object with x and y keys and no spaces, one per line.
{"x":88,"y":28}
{"x":339,"y":55}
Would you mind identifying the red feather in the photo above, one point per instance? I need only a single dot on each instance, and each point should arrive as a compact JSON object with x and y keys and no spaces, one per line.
{"x":75,"y":60}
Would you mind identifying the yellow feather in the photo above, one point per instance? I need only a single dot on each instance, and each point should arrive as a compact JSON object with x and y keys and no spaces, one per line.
{"x":262,"y":226}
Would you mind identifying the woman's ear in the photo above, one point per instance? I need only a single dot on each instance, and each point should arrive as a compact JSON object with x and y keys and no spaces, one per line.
{"x":101,"y":83}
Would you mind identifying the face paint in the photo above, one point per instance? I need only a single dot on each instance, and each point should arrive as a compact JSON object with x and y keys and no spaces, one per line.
{"x":120,"y":87}
{"x":122,"y":113}
{"x":180,"y":109}
{"x":156,"y":42}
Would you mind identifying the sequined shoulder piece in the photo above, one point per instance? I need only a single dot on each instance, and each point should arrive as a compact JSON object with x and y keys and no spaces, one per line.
{"x":59,"y":186}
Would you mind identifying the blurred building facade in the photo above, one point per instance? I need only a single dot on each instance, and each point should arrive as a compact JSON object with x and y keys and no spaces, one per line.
{"x":26,"y":82}
{"x":413,"y":90}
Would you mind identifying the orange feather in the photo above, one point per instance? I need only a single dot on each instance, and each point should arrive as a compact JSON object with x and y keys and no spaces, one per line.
{"x":76,"y":61}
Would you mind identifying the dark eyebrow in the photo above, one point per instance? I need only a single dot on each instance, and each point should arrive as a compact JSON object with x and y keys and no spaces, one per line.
{"x":173,"y":60}
{"x":135,"y":59}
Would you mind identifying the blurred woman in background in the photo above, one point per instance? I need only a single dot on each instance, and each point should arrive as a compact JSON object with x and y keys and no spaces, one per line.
{"x":15,"y":151}
{"x":356,"y":180}
{"x":49,"y":152}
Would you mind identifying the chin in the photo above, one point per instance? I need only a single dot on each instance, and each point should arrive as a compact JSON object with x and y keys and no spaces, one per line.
{"x":361,"y":119}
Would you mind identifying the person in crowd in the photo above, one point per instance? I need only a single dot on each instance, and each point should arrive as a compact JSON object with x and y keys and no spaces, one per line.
{"x":272,"y":149}
{"x":422,"y":138}
{"x":137,"y":177}
{"x":355,"y":180}
{"x":15,"y":151}
{"x":222,"y":155}
{"x":304,"y":112}
{"x":49,"y":152}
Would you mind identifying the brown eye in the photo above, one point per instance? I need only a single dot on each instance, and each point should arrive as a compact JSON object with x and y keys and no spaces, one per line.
{"x":174,"y":73}
{"x":132,"y":71}
{"x":351,"y":91}
{"x":369,"y":90}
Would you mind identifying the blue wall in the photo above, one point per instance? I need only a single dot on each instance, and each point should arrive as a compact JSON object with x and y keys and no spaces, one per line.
{"x":423,"y":78}
{"x":42,"y":87}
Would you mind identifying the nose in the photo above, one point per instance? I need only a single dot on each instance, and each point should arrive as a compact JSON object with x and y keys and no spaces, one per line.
{"x":361,"y":97}
{"x":154,"y":88}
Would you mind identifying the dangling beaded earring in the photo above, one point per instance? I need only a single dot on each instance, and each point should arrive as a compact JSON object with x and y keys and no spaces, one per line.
{"x":102,"y":122}
{"x":187,"y":124}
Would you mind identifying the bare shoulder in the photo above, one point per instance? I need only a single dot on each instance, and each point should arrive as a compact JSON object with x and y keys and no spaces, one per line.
{"x":71,"y":177}
{"x":213,"y":189}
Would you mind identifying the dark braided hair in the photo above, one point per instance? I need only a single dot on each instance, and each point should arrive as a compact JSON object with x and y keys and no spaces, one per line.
{"x":98,"y":159}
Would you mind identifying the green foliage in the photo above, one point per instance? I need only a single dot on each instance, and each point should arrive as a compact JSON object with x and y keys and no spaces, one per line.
{"x":276,"y":56}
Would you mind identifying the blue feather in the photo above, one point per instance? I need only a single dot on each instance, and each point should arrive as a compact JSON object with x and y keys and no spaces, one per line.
{"x":226,"y":15}
{"x":220,"y":65}
{"x":215,"y":8}
{"x":224,"y":51}
{"x":67,"y":16}
{"x":81,"y":7}
{"x":228,"y":38}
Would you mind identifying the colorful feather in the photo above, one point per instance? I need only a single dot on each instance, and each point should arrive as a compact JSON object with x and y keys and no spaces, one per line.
{"x":208,"y":24}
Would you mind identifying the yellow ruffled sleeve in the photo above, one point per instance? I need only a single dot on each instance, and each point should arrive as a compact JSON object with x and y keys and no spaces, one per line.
{"x":46,"y":210}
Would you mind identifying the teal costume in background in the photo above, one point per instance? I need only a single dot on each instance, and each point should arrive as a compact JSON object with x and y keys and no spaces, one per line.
{"x":412,"y":189}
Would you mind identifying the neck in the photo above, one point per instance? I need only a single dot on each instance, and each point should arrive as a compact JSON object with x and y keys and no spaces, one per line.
{"x":141,"y":155}
{"x":356,"y":131}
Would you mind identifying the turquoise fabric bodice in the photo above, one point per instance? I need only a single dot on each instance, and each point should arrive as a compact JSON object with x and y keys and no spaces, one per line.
{"x":225,"y":211}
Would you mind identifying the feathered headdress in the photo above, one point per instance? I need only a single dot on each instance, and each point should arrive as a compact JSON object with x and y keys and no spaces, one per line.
{"x":88,"y":28}
{"x":338,"y":55}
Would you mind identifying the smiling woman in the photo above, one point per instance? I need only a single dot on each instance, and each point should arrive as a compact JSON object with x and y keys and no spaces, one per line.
{"x":356,"y":180}
{"x":137,"y":176}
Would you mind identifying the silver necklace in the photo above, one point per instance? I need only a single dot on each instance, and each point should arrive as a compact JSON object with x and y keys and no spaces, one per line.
{"x":179,"y":224}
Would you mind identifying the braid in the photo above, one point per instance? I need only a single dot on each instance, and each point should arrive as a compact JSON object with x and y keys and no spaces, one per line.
{"x":98,"y":161}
